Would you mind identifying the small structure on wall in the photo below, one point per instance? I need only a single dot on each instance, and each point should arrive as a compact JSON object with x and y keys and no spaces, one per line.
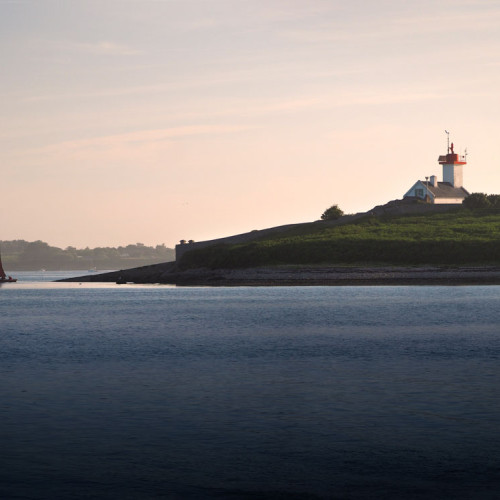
{"x":451,"y":189}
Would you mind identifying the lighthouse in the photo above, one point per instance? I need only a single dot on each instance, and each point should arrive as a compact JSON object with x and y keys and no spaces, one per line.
{"x":451,"y":190}
{"x":453,"y":165}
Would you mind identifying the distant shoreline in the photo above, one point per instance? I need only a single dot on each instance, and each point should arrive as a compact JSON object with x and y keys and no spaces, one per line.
{"x":302,"y":276}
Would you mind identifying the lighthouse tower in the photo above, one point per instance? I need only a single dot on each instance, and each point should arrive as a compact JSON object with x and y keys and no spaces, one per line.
{"x":453,"y":167}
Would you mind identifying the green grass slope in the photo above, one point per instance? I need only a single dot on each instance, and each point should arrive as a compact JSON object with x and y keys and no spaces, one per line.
{"x":461,"y":237}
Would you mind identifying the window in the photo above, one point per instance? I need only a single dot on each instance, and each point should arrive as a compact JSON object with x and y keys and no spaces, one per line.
{"x":419,"y":193}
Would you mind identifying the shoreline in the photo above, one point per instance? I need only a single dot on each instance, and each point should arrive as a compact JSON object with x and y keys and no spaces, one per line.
{"x":168,"y":274}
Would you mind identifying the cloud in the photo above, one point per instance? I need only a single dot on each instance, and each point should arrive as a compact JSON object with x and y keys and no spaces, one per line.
{"x":398,"y":26}
{"x":56,"y":48}
{"x":105,"y":48}
{"x":133,"y":142}
{"x":339,"y":99}
{"x":111,"y":92}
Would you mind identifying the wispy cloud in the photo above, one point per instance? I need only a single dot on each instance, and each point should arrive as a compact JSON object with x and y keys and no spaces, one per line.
{"x":260,"y":72}
{"x":105,"y":48}
{"x":100,"y":48}
{"x":398,"y":26}
{"x":136,"y":139}
{"x":111,"y":92}
{"x":323,"y":101}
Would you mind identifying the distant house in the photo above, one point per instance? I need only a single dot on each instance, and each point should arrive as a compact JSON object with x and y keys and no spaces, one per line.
{"x":449,"y":191}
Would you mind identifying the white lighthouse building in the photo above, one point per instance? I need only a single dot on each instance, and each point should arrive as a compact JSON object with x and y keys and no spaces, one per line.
{"x":451,"y":190}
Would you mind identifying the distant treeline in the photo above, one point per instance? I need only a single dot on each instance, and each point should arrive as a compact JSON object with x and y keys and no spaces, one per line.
{"x":21,"y":255}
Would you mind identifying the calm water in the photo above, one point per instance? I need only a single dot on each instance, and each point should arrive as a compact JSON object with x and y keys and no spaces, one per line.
{"x":137,"y":392}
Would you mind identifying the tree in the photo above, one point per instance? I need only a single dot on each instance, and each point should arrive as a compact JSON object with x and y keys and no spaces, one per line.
{"x":494,"y":200}
{"x":332,"y":213}
{"x":477,"y":200}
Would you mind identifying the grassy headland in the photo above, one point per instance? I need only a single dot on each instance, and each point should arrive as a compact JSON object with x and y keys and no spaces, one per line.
{"x":458,"y":237}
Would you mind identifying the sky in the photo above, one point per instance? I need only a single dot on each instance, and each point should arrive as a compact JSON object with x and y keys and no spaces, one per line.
{"x":152,"y":121}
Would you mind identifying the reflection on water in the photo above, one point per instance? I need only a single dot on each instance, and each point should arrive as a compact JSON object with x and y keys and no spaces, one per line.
{"x":31,"y":277}
{"x":159,"y":392}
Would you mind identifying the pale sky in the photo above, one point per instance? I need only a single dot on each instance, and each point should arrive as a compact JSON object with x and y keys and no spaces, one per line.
{"x":151,"y":121}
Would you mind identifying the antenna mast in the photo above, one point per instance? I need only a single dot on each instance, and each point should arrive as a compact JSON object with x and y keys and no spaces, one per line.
{"x":448,"y":145}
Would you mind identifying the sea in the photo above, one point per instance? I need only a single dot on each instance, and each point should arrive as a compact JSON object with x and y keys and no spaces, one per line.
{"x":161,"y":392}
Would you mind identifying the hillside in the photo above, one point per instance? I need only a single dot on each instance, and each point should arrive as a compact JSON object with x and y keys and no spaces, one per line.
{"x":457,"y":237}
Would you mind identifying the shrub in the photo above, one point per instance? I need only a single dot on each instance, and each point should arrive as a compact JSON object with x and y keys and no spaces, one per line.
{"x":332,"y":213}
{"x":477,"y":200}
{"x":494,"y":200}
